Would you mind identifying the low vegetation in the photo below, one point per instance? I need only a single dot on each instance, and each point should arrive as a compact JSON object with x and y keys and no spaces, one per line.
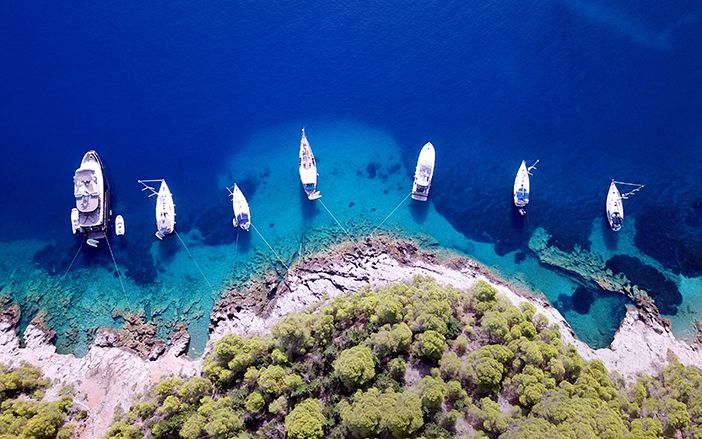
{"x":413,"y":360}
{"x":26,"y":412}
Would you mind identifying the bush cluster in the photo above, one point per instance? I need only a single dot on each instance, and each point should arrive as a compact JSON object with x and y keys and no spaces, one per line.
{"x":414,"y":360}
{"x":25,"y":412}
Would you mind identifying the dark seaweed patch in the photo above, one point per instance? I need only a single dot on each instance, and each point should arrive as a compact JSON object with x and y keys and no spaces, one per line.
{"x":372,"y":169}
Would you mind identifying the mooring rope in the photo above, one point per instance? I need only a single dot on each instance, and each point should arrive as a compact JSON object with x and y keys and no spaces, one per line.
{"x":194,"y":261}
{"x":332,"y":215}
{"x":72,"y":261}
{"x":390,"y":214}
{"x":269,"y":246}
{"x":114,"y":261}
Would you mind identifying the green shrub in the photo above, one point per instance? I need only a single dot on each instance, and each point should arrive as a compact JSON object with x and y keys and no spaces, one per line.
{"x":306,"y":420}
{"x":355,"y":366}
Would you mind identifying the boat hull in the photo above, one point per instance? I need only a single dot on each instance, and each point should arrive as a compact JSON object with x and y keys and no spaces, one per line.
{"x":614,"y":208}
{"x":424,"y":173}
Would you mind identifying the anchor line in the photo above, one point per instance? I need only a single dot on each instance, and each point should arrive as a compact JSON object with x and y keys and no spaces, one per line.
{"x":193,"y":259}
{"x":72,"y":261}
{"x":391,"y":213}
{"x":114,"y":261}
{"x":336,"y":220}
{"x":269,"y":246}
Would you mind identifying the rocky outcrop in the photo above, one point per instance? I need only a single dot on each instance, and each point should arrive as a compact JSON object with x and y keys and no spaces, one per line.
{"x":643,"y":344}
{"x":138,"y":335}
{"x":586,"y":265}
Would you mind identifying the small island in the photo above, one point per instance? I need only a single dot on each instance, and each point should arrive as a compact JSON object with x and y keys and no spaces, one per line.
{"x":376,"y":338}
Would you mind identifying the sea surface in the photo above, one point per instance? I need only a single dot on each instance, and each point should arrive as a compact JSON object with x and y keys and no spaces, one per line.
{"x":208,"y":94}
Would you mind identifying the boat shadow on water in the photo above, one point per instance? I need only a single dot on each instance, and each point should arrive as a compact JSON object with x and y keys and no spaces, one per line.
{"x":309,"y":208}
{"x":609,"y":237}
{"x":419,"y":211}
{"x":242,"y":243}
{"x":168,"y":247}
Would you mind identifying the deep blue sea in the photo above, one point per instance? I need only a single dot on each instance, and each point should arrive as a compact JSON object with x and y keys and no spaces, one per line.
{"x":208,"y":93}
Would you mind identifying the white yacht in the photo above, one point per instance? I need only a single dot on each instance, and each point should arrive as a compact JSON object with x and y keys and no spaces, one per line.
{"x":92,"y":195}
{"x":614,"y":207}
{"x":242,"y":214}
{"x":424,"y":173}
{"x":165,"y":211}
{"x":308,"y":169}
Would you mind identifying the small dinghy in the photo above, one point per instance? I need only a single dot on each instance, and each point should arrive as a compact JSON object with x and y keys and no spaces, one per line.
{"x":165,"y":208}
{"x":614,"y":206}
{"x":242,"y":214}
{"x":92,"y":194}
{"x":308,"y":169}
{"x":424,"y":173}
{"x":119,"y":225}
{"x":522,"y":186}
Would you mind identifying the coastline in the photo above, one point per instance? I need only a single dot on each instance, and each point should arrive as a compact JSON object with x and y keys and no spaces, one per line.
{"x":121,"y":365}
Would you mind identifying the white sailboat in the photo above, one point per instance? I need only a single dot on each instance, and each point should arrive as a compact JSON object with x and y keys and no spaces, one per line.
{"x":92,"y":195}
{"x":423,"y":173}
{"x":165,"y":211}
{"x":308,"y":169}
{"x":614,"y":206}
{"x":242,"y":214}
{"x":165,"y":208}
{"x":522,"y":186}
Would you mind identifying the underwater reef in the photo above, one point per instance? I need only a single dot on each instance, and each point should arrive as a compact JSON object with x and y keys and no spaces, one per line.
{"x":584,"y":264}
{"x":661,"y":289}
{"x":643,"y":283}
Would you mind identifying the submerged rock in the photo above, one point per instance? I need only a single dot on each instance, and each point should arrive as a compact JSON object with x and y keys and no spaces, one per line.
{"x":583,"y":264}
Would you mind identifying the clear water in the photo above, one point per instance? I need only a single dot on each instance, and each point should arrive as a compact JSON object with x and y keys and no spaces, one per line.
{"x":205,"y":95}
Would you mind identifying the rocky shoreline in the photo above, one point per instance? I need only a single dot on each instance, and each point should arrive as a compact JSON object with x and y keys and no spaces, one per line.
{"x":123,"y":363}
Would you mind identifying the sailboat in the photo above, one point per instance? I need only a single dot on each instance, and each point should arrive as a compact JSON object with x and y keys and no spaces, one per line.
{"x":308,"y":169}
{"x":522,"y":186}
{"x":242,"y":214}
{"x":165,"y":211}
{"x":614,"y":206}
{"x":165,"y":208}
{"x":92,"y":194}
{"x":423,"y":173}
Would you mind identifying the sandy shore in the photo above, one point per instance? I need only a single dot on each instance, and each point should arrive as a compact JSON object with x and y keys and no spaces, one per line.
{"x":109,"y":376}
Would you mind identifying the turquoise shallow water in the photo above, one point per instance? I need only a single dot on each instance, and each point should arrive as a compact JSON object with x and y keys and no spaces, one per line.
{"x":363,"y":177}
